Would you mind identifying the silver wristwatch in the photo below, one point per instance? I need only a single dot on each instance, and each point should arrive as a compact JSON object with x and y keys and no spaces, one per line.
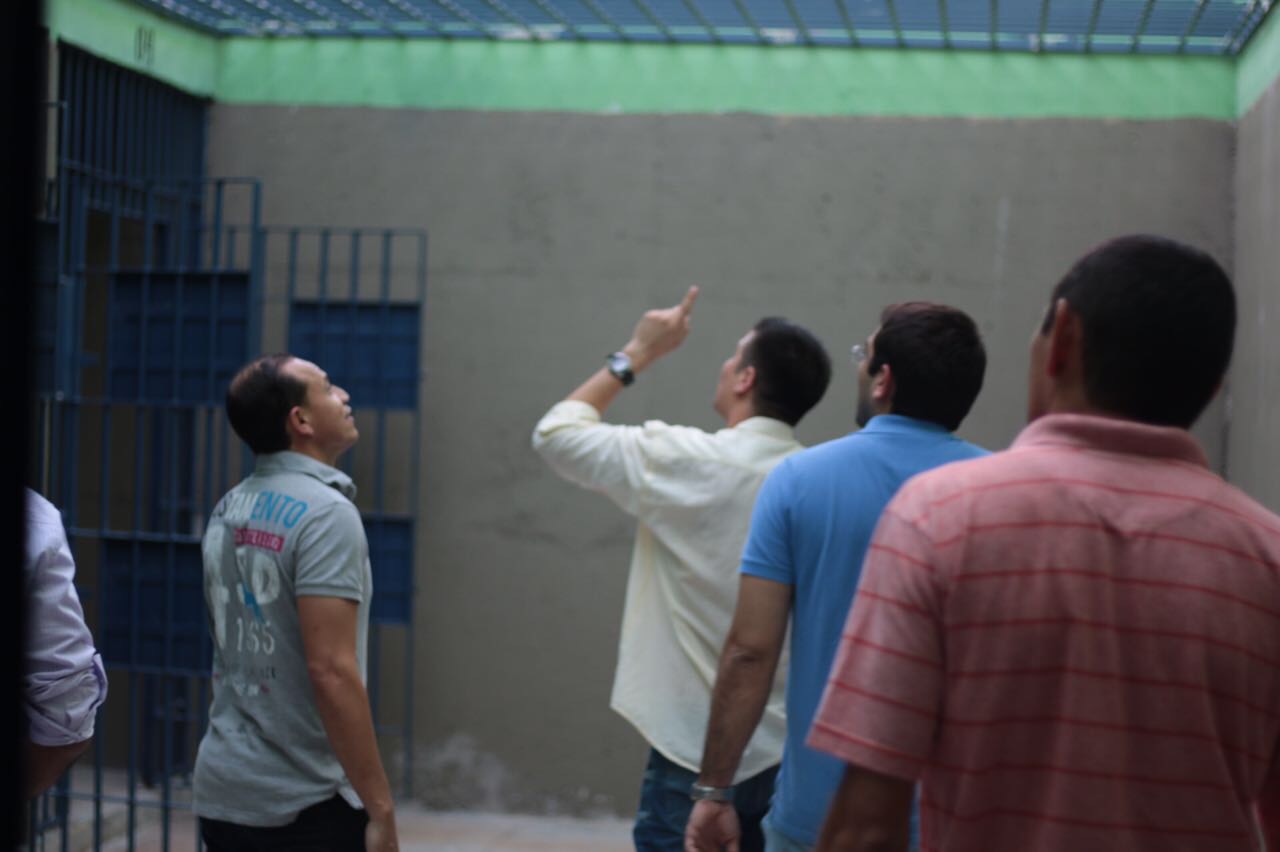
{"x":701,"y":792}
{"x":619,"y":365}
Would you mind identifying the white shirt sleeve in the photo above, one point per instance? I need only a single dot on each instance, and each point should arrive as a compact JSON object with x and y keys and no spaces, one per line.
{"x":64,"y":682}
{"x":604,"y":457}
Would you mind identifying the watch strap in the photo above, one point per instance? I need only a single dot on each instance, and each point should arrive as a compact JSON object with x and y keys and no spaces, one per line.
{"x":703,"y":793}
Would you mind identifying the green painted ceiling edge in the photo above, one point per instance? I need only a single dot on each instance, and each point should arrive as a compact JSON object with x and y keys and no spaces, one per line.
{"x":614,"y":78}
{"x":181,"y":56}
{"x":1258,"y":68}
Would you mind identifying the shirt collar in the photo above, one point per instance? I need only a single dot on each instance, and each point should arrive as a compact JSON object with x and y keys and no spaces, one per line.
{"x":768,"y":426}
{"x":900,"y":424}
{"x":289,"y":461}
{"x":1112,"y":434}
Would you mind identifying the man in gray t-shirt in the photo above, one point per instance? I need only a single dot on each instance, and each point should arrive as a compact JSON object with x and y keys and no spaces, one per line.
{"x":290,"y":759}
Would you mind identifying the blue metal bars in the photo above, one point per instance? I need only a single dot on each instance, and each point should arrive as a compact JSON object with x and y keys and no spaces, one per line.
{"x":157,"y":288}
{"x":131,"y":292}
{"x":129,"y":447}
{"x":355,"y":300}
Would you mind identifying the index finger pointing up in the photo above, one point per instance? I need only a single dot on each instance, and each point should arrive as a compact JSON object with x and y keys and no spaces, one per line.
{"x":686,"y":304}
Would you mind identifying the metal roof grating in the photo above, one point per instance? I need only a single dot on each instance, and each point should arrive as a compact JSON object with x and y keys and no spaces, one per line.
{"x":1220,"y":27}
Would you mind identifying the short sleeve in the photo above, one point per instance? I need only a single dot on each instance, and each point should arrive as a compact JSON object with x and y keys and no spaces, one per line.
{"x":331,"y":554}
{"x":883,"y":699}
{"x":767,"y":553}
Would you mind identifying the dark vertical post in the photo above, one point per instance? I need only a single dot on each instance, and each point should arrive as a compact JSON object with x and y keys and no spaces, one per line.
{"x":21,"y":49}
{"x":379,"y":466}
{"x":1043,"y":26}
{"x":322,"y":297}
{"x":212,"y":393}
{"x":257,"y":283}
{"x":353,"y":334}
{"x":414,"y":481}
{"x":142,"y":410}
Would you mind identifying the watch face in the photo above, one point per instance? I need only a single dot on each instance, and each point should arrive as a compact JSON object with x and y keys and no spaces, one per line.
{"x":620,"y":367}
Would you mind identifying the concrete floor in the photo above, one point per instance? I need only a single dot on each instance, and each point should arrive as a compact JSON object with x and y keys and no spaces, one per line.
{"x":424,"y":831}
{"x":456,"y":832}
{"x":420,"y":830}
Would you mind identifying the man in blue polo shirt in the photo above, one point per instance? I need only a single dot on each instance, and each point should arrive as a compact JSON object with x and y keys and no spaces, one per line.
{"x":918,"y":376}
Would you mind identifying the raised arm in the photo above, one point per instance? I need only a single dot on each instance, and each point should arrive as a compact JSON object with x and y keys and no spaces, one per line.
{"x":606,"y":457}
{"x":657,"y":333}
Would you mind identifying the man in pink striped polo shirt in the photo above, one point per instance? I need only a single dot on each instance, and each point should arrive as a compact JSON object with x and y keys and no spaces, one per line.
{"x":1074,"y":644}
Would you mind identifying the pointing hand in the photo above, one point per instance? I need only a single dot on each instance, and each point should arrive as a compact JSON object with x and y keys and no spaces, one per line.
{"x":660,"y":331}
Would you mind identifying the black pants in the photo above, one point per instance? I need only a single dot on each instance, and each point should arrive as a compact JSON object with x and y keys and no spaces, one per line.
{"x":329,"y":826}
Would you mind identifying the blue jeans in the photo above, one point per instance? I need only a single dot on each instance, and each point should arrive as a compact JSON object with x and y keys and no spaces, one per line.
{"x":665,"y":806}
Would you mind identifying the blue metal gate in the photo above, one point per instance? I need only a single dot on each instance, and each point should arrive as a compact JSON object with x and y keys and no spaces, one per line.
{"x":158,"y":283}
{"x":354,"y":299}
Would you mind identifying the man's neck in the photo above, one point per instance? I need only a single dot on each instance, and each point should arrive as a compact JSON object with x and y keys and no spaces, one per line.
{"x":738,"y":414}
{"x":1072,"y":400}
{"x":316,"y":453}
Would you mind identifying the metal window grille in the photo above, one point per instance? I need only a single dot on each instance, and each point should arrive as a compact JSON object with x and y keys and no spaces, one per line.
{"x":152,"y":293}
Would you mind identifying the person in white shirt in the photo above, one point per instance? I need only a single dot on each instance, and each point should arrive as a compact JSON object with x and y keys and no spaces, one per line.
{"x":63,"y":681}
{"x":691,"y":492}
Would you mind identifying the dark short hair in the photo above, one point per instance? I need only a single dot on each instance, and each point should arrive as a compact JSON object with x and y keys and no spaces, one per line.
{"x":1158,"y":320}
{"x":937,"y":359}
{"x":259,"y":401}
{"x":792,"y":369}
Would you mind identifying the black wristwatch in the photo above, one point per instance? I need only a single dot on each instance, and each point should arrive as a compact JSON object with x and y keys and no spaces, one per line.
{"x":619,"y":366}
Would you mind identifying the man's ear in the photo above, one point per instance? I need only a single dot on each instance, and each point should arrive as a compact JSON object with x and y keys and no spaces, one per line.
{"x":297,"y":423}
{"x":882,"y":385}
{"x":744,"y":380}
{"x":1065,"y":339}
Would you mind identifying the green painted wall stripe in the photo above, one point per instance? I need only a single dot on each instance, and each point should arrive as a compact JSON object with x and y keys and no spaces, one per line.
{"x":1259,"y":66}
{"x":179,"y":55}
{"x":595,"y":77}
{"x":620,"y":78}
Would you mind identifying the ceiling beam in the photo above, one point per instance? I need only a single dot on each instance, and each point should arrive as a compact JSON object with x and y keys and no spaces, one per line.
{"x":751,"y":22}
{"x":655,"y":20}
{"x":606,"y":20}
{"x":897,"y":26}
{"x":1142,"y":26}
{"x":1192,"y":24}
{"x":1043,"y":26}
{"x":1093,"y":25}
{"x":849,"y":25}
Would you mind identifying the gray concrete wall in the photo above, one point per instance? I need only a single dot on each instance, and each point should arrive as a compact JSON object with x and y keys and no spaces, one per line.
{"x":1253,"y":460}
{"x":550,"y":233}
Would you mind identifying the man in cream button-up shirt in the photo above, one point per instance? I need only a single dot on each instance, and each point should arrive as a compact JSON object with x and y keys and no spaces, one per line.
{"x":691,"y":492}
